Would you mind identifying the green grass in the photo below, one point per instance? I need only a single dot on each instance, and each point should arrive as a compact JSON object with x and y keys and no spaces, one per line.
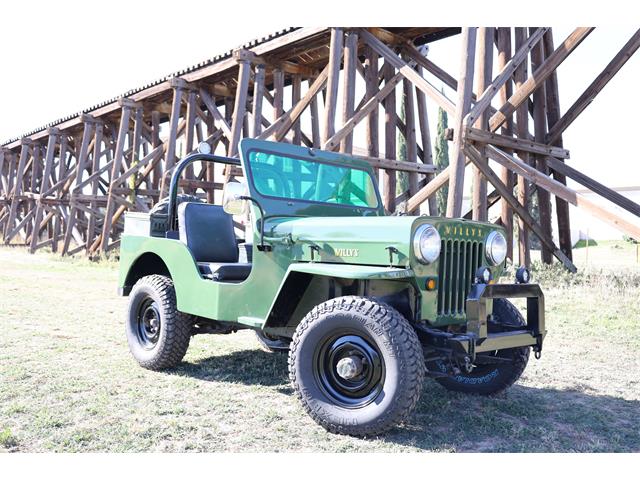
{"x":68,"y":382}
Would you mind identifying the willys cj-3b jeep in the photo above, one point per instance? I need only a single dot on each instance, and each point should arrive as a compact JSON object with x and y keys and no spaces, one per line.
{"x":366,"y":303}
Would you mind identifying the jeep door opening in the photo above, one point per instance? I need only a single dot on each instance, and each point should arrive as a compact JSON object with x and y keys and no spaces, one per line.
{"x":366,"y":304}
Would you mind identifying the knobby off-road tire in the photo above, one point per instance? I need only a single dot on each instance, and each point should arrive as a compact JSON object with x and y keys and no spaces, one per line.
{"x":393,"y":366}
{"x":493,"y":379}
{"x":271,"y":344}
{"x":158,"y":334}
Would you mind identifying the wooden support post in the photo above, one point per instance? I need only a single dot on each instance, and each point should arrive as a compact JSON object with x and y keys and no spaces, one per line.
{"x":176,"y":107}
{"x":190,"y":130}
{"x":506,"y":176}
{"x":389,"y":177}
{"x":48,"y":166}
{"x":522,"y":118}
{"x":538,"y":77}
{"x":410,"y":135}
{"x":484,"y":61}
{"x":296,"y":88}
{"x":95,"y":183}
{"x":258,"y":95}
{"x":117,"y":163}
{"x":553,"y":116}
{"x":155,"y":141}
{"x":81,"y":166}
{"x":540,"y":133}
{"x":522,"y":211}
{"x":240,"y":105}
{"x":335,"y":57}
{"x":425,"y":137}
{"x":465,"y":87}
{"x":278,"y":94}
{"x":371,"y":86}
{"x":349,"y":87}
{"x":594,"y":88}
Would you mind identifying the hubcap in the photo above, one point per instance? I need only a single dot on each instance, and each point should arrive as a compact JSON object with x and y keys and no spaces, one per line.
{"x":350,"y":369}
{"x":148,"y":323}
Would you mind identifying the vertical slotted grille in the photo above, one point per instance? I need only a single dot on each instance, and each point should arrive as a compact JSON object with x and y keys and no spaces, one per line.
{"x":459,"y":259}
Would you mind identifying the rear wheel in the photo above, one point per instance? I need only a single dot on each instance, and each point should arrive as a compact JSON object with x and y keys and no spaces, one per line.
{"x":158,"y":334}
{"x":356,"y":365}
{"x":490,"y":379}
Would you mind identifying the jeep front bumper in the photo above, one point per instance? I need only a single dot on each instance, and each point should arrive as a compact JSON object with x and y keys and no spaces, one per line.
{"x":477,"y":339}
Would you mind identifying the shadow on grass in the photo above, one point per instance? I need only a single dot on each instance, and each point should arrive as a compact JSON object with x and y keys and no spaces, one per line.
{"x":522,"y":419}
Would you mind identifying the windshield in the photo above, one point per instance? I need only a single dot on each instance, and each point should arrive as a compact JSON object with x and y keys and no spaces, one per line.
{"x":297,"y":179}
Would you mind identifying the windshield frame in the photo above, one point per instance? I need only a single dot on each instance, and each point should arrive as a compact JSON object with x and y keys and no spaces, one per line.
{"x":313,"y":159}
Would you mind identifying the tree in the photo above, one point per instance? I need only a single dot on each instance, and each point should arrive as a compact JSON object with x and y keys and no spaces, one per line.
{"x":442,"y":159}
{"x":401,"y":154}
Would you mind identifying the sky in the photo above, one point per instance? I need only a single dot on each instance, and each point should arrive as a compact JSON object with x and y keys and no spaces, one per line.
{"x":60,"y":57}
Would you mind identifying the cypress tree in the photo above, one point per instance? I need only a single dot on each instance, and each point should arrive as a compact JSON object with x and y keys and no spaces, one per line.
{"x":442,"y":159}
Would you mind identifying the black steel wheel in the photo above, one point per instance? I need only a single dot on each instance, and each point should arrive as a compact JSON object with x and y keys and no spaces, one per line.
{"x":271,"y":343}
{"x":158,"y":334}
{"x":356,"y":365}
{"x":492,"y":378}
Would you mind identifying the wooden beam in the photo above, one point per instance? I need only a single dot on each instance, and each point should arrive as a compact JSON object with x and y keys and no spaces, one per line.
{"x":595,"y":87}
{"x":240,"y":106}
{"x":371,"y":86}
{"x":524,"y":214}
{"x":539,"y":76}
{"x":407,"y":70}
{"x":564,"y":192}
{"x":506,"y":176}
{"x":484,"y":66}
{"x":349,"y":87}
{"x":425,"y":137}
{"x":465,"y":87}
{"x":389,"y":178}
{"x":335,"y":58}
{"x":517,"y":144}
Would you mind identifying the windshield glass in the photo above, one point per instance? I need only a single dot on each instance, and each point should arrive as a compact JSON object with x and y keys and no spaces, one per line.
{"x":297,"y":179}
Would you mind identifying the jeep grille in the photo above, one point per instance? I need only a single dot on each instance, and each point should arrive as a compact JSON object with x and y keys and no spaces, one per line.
{"x":459,"y":259}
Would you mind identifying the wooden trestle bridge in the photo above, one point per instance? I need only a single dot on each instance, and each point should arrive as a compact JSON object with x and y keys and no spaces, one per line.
{"x":67,"y":185}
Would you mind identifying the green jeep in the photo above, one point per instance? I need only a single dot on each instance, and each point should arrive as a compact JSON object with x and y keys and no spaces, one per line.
{"x":367,"y":304}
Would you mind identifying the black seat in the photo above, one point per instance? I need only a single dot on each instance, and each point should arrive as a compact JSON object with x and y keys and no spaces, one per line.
{"x":208,"y":232}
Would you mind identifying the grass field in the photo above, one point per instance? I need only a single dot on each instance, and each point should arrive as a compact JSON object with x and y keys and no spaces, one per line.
{"x":68,"y":382}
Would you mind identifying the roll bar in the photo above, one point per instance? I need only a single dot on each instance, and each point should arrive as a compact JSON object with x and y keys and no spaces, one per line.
{"x":175,"y":178}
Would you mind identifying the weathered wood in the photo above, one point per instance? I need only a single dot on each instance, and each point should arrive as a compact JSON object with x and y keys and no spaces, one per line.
{"x":389,"y":178}
{"x":553,"y":116}
{"x":410,"y":135}
{"x":335,"y":58}
{"x":372,"y":125}
{"x":522,"y":130}
{"x":490,"y":89}
{"x":407,"y":70}
{"x":595,"y":87}
{"x":503,"y":43}
{"x":520,"y":210}
{"x":566,"y":193}
{"x":484,"y":62}
{"x":517,"y":144}
{"x":426,"y":192}
{"x":540,"y":132}
{"x":258,"y":95}
{"x":108,"y":219}
{"x":538,"y":77}
{"x":48,"y":166}
{"x":349,"y":87}
{"x":465,"y":87}
{"x":425,"y":137}
{"x":240,"y":106}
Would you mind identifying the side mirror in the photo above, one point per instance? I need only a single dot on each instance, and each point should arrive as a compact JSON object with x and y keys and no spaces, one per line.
{"x":232,"y":203}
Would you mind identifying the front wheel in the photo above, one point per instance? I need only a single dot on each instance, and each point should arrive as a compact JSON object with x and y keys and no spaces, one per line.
{"x":356,"y":365}
{"x":158,"y":334}
{"x":493,"y":378}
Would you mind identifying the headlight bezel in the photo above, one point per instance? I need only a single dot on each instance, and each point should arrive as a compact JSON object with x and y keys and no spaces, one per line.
{"x":494,"y":236}
{"x":417,"y":243}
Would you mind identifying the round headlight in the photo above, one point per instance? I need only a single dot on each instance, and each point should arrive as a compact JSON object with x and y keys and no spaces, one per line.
{"x":426,"y":243}
{"x":496,"y":248}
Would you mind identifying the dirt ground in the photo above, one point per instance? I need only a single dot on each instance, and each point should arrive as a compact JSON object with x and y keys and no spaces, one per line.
{"x":68,"y":382}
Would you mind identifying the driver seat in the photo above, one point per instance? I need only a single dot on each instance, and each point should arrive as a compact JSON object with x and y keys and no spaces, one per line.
{"x":207,"y":230}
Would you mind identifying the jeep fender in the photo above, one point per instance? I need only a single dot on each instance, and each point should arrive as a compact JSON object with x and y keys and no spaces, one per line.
{"x":288,"y":304}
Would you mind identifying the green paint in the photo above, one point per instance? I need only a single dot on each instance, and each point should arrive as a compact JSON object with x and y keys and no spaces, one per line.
{"x":316,"y":238}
